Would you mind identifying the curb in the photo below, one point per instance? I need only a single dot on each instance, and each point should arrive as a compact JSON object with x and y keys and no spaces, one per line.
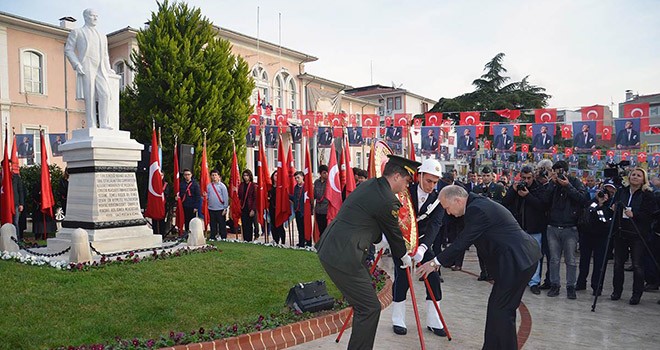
{"x":289,"y":335}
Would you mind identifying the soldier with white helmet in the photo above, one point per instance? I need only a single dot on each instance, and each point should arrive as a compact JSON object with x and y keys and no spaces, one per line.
{"x":429,"y":219}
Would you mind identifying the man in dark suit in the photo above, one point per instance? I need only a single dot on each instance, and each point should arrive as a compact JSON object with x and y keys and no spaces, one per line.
{"x":429,"y":219}
{"x":393,"y":133}
{"x":296,"y":133}
{"x":250,"y":139}
{"x":511,"y":255}
{"x":585,"y":139}
{"x":355,"y":136}
{"x":627,"y":137}
{"x":495,"y":191}
{"x":473,"y":182}
{"x":542,"y":141}
{"x":372,"y":210}
{"x":466,"y":142}
{"x":271,"y":138}
{"x":503,"y":142}
{"x":325,"y":138}
{"x":430,"y":142}
{"x":25,"y":149}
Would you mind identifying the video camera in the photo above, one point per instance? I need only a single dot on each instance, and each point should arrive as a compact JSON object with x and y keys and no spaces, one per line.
{"x":616,"y":171}
{"x":522,"y":186}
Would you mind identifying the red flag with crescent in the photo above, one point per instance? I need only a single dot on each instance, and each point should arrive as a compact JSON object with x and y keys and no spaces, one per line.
{"x":625,"y":155}
{"x":554,"y":149}
{"x":641,"y":157}
{"x":545,"y":115}
{"x":334,"y":119}
{"x":254,"y":120}
{"x":568,"y":151}
{"x":596,"y":113}
{"x":470,"y":118}
{"x":596,"y":154}
{"x":299,"y":113}
{"x":269,"y":110}
{"x":370,"y":123}
{"x":388,"y":121}
{"x":433,"y":119}
{"x":610,"y":153}
{"x":607,"y":132}
{"x":638,"y":110}
{"x":278,"y":111}
{"x":508,"y":113}
{"x":155,"y":204}
{"x":479,"y":129}
{"x":402,"y":119}
{"x":446,"y":125}
{"x":333,"y":185}
{"x":566,"y":131}
{"x":530,"y":130}
{"x":487,"y":144}
{"x":352,"y":120}
{"x":516,"y":129}
{"x":307,"y":122}
{"x":282,"y":203}
{"x":282,"y":121}
{"x":417,"y":123}
{"x":47,"y":200}
{"x":319,"y":118}
{"x":343,"y":119}
{"x":524,"y":148}
{"x":289,"y":114}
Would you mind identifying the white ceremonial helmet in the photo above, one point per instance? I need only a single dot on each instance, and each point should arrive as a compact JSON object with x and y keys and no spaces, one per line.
{"x":431,"y":166}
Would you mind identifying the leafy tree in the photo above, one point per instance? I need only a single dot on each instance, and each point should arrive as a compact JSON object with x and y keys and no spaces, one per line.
{"x":187,"y":80}
{"x":31,"y":178}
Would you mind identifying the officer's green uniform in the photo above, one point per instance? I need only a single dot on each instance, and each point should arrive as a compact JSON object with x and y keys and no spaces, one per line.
{"x":370,"y":210}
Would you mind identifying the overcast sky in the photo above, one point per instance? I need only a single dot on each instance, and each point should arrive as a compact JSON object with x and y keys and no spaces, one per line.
{"x":582,"y":52}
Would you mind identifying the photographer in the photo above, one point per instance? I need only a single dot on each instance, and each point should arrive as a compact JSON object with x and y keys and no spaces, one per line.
{"x":637,"y":205}
{"x":525,"y":201}
{"x":594,"y":228}
{"x":566,"y":196}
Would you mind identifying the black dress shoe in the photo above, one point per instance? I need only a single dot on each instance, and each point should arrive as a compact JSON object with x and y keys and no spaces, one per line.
{"x":615,"y":296}
{"x":482,"y":277}
{"x":634,"y":300}
{"x":581,"y":286}
{"x":440,"y":332}
{"x":545,"y":286}
{"x":535,"y":289}
{"x":400,"y":330}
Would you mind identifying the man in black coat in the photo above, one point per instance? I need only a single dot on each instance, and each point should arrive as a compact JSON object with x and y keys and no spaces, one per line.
{"x":542,"y":141}
{"x":465,"y":142}
{"x":429,"y":219}
{"x":369,"y":212}
{"x":495,"y":191}
{"x":430,"y":141}
{"x":628,"y":137}
{"x":585,"y":139}
{"x":510,"y":253}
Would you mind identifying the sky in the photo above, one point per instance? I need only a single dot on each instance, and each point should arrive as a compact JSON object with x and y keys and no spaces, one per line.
{"x":583,"y":52}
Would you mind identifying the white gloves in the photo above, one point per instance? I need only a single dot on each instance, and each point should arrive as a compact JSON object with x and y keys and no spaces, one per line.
{"x":382,"y":244}
{"x":420,"y":253}
{"x":407,"y":261}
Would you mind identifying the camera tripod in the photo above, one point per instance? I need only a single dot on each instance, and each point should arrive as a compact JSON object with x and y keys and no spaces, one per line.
{"x":616,"y":218}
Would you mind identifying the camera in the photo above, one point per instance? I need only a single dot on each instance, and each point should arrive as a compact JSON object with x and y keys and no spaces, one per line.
{"x":560,"y":175}
{"x":602,"y":193}
{"x":522,"y":186}
{"x":616,"y":171}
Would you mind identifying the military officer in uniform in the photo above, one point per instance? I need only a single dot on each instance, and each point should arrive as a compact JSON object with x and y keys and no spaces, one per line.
{"x":429,"y":215}
{"x":369,"y":212}
{"x":510,"y":253}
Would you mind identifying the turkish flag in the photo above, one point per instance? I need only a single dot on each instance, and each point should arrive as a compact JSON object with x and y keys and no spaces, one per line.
{"x":307,"y":122}
{"x":308,"y":187}
{"x":610,"y":154}
{"x":516,"y":129}
{"x":370,"y":123}
{"x":487,"y":144}
{"x":530,"y":130}
{"x":402,"y":119}
{"x":7,"y":208}
{"x":333,"y":186}
{"x":388,"y":121}
{"x":335,"y":119}
{"x":596,"y":154}
{"x":282,"y":123}
{"x":234,"y":183}
{"x":638,"y":110}
{"x":596,"y":113}
{"x":625,"y":155}
{"x":352,"y":120}
{"x":545,"y":115}
{"x":264,"y":184}
{"x":641,"y":157}
{"x":417,"y":123}
{"x":508,"y":113}
{"x":568,"y":151}
{"x":269,"y":110}
{"x":318,"y":118}
{"x":278,"y":111}
{"x":282,"y":203}
{"x":446,"y":125}
{"x":204,"y":181}
{"x":566,"y":131}
{"x":155,"y":198}
{"x":470,"y":118}
{"x":254,"y":120}
{"x":606,"y":132}
{"x":289,"y":114}
{"x":180,"y":220}
{"x":554,"y":149}
{"x":433,"y":119}
{"x":299,"y":113}
{"x":493,"y":126}
{"x":47,"y":200}
{"x":343,"y":119}
{"x":524,"y":148}
{"x":479,"y":129}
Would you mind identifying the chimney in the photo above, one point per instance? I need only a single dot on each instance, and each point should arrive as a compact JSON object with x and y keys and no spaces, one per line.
{"x":67,"y":22}
{"x":629,"y":95}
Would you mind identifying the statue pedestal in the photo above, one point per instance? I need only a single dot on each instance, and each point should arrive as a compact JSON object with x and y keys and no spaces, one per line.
{"x":103,"y":197}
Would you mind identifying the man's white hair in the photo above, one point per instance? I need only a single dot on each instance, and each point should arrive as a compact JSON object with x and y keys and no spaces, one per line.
{"x":453,"y":191}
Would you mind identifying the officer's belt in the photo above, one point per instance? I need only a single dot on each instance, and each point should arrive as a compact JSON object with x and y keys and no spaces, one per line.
{"x":429,"y":209}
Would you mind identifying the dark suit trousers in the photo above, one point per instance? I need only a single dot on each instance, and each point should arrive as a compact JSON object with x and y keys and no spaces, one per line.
{"x":502,"y":304}
{"x":247,"y":225}
{"x":218,"y":224}
{"x":591,"y":244}
{"x":400,"y":287}
{"x":188,"y":214}
{"x":357,"y":289}
{"x":322,"y":222}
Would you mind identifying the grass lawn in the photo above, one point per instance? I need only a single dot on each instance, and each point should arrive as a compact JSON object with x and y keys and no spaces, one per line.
{"x":43,"y":307}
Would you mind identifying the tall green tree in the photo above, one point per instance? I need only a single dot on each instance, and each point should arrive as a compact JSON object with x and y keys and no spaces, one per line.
{"x":188,"y":80}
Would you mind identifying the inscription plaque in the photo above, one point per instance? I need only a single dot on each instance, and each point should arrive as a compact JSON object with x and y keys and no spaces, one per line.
{"x":117,"y":196}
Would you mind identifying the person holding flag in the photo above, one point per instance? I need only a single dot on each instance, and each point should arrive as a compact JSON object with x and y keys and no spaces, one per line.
{"x":369,"y":212}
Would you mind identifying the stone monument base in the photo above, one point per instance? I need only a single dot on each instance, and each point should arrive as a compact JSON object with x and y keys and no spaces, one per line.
{"x":103,"y":196}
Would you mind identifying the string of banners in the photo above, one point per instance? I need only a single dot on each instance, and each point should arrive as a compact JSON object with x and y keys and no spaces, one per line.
{"x":623,"y":138}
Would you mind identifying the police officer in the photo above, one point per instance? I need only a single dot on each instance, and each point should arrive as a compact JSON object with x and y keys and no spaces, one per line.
{"x":369,"y":212}
{"x":429,"y":219}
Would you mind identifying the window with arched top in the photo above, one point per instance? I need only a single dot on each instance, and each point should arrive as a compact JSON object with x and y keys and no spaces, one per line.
{"x":120,"y":69}
{"x":293,"y":94}
{"x":261,"y":92}
{"x":278,"y":90}
{"x":285,"y":91}
{"x":33,"y":72}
